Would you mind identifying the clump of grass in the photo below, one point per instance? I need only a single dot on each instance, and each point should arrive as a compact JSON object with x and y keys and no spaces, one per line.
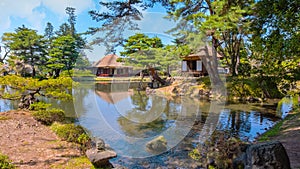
{"x":274,"y":131}
{"x":78,"y":162}
{"x":47,"y":117}
{"x":70,"y":132}
{"x":5,"y":163}
{"x":278,"y":127}
{"x":4,"y":118}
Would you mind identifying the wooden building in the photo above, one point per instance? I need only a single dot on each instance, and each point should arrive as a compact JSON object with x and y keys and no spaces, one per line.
{"x":109,"y":67}
{"x":193,"y":63}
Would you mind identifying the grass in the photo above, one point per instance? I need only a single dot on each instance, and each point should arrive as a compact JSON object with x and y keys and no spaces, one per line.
{"x":47,"y":117}
{"x":280,"y":126}
{"x":78,"y":162}
{"x":5,"y":163}
{"x":274,"y":131}
{"x":4,"y":118}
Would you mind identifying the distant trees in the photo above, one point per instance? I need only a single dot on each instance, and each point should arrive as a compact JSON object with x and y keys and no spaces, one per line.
{"x":63,"y":54}
{"x":52,"y":52}
{"x":142,"y":50}
{"x":27,"y":46}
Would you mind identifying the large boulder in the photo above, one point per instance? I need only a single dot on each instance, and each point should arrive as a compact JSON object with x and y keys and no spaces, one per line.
{"x":271,"y":155}
{"x":157,"y":145}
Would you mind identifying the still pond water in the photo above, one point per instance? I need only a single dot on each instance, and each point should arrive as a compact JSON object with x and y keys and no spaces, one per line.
{"x":128,"y":119}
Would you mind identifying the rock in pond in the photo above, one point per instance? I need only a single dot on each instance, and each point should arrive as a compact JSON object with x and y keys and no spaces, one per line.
{"x":157,"y":145}
{"x":264,"y":155}
{"x":100,"y":155}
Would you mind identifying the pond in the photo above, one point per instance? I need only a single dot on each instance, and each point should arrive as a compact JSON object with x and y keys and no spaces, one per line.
{"x":128,"y":119}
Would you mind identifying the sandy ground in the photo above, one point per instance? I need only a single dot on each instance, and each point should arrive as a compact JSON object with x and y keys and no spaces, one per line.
{"x":30,"y":144}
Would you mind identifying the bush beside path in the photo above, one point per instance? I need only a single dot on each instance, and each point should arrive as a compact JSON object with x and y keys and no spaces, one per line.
{"x":29,"y":144}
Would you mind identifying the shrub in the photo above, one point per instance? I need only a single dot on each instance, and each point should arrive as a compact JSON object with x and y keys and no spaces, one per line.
{"x":39,"y":106}
{"x":5,"y":163}
{"x":70,"y":132}
{"x":47,"y":117}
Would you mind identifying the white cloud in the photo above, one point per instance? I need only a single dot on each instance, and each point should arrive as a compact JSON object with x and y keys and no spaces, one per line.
{"x":22,"y":9}
{"x":27,"y":10}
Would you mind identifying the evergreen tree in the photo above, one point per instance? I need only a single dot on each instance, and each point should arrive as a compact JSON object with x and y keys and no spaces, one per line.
{"x":27,"y":45}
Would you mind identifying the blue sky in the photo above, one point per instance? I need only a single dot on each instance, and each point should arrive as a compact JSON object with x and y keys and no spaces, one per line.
{"x":36,"y":13}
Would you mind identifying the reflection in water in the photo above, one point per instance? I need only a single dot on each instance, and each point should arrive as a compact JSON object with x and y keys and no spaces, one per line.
{"x":127,"y":119}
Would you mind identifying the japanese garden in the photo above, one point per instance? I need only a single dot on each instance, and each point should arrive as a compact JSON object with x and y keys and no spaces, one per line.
{"x":219,"y":89}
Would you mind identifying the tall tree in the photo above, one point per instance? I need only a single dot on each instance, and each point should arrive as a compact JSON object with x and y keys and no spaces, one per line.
{"x":63,"y":54}
{"x":49,"y":31}
{"x":27,"y":45}
{"x":140,"y":42}
{"x":220,"y":20}
{"x":275,"y":42}
{"x":72,"y":19}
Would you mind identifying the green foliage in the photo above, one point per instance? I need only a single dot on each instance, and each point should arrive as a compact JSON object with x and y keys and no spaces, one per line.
{"x":219,"y":151}
{"x":39,"y":106}
{"x":278,"y":127}
{"x":275,"y":42}
{"x":139,"y":42}
{"x":195,"y":154}
{"x":70,"y":132}
{"x":5,"y":163}
{"x":59,"y":88}
{"x":47,"y":117}
{"x":256,"y":87}
{"x":63,"y":54}
{"x":141,"y":50}
{"x":27,"y":45}
{"x":77,"y":162}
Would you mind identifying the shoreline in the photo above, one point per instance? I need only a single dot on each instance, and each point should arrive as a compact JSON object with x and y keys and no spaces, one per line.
{"x":287,"y":131}
{"x":19,"y":125}
{"x":30,"y":144}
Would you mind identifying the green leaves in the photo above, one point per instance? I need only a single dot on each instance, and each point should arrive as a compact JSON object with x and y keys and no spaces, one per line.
{"x":141,"y":50}
{"x":27,"y":45}
{"x":59,"y":88}
{"x":63,"y":54}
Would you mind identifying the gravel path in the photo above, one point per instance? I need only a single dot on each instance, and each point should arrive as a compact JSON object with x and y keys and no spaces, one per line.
{"x":30,"y":144}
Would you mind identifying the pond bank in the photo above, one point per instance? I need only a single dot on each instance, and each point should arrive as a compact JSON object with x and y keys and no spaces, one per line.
{"x":29,"y":144}
{"x":288,"y":133}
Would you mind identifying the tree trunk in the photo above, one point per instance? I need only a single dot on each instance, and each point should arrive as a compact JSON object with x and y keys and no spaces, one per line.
{"x":33,"y":71}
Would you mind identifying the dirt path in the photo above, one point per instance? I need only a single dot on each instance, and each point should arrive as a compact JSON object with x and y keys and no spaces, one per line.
{"x":30,"y":144}
{"x":289,"y":136}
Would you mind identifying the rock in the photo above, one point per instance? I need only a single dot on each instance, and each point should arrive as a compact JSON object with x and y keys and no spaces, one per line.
{"x":157,"y":145}
{"x":100,"y":145}
{"x":263,"y":155}
{"x":100,"y":159}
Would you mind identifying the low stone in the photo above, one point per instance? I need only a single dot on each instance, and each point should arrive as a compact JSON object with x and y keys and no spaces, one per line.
{"x":100,"y":159}
{"x":264,"y":155}
{"x":157,"y":145}
{"x":100,"y":144}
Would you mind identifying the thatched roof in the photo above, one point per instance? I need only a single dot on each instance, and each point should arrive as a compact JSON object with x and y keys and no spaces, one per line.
{"x":202,"y":52}
{"x":108,"y":61}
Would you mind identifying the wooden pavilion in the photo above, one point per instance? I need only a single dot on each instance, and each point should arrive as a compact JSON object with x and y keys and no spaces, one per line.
{"x":109,"y":67}
{"x":193,"y":63}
